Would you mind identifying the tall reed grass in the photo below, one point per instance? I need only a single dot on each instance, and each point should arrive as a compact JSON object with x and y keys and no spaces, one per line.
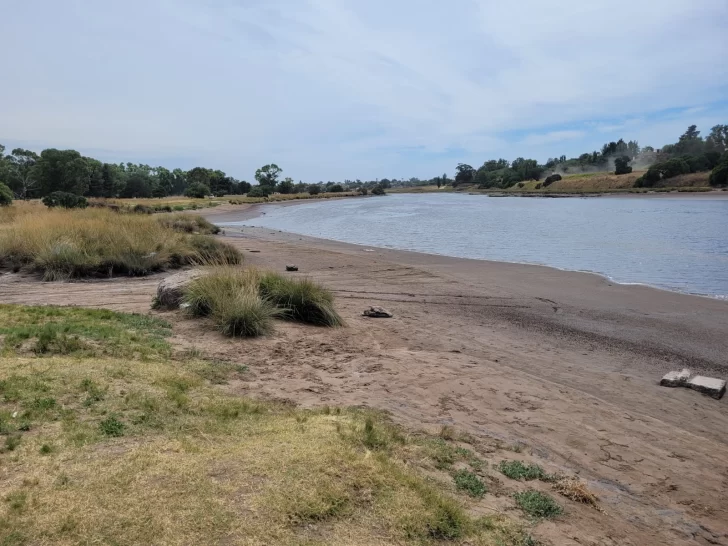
{"x":62,"y":244}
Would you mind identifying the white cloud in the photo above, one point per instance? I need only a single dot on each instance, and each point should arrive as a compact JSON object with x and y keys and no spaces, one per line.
{"x":334,"y":88}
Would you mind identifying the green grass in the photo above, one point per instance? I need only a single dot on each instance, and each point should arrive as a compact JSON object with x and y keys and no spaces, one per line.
{"x":75,"y":331}
{"x":537,"y":504}
{"x":470,"y":483}
{"x":517,"y":470}
{"x":301,"y":299}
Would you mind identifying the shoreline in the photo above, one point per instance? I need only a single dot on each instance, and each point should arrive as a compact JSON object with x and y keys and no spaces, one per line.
{"x":257,"y":210}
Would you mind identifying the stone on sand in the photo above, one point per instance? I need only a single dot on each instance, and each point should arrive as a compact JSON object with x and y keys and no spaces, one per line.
{"x":171,"y":289}
{"x":377,"y":312}
{"x":291,"y":268}
{"x":676,"y":379}
{"x":708,"y":385}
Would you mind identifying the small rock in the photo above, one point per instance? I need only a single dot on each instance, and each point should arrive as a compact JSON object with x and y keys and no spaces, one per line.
{"x":291,"y":268}
{"x":171,"y":289}
{"x":676,"y":379}
{"x":377,"y":312}
{"x":708,"y":385}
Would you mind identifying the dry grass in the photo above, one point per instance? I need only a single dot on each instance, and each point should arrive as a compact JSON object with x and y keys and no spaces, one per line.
{"x":76,"y":243}
{"x":576,"y":490}
{"x":102,"y":450}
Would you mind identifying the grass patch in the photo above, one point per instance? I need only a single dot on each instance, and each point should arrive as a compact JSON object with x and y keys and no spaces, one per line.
{"x":470,"y":483}
{"x":301,"y":299}
{"x":537,"y":504}
{"x":188,"y":223}
{"x":62,"y":244}
{"x":47,"y":330}
{"x":517,"y":470}
{"x":153,"y":453}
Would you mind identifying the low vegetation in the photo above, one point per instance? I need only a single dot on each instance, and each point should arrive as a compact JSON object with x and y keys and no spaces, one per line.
{"x":134,"y":449}
{"x":62,"y":244}
{"x":537,"y":504}
{"x":517,"y":470}
{"x":245,"y":302}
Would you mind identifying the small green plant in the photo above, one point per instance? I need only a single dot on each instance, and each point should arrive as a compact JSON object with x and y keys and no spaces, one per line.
{"x":470,"y":483}
{"x":12,"y":441}
{"x":372,"y":438}
{"x":517,"y":470}
{"x":46,"y":449}
{"x":17,"y":500}
{"x":111,"y":426}
{"x":537,"y":504}
{"x":93,"y":391}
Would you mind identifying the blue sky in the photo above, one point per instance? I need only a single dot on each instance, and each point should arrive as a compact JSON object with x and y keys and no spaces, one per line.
{"x":334,"y":89}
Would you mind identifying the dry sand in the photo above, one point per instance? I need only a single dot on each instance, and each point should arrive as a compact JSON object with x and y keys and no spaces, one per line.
{"x":566,"y":364}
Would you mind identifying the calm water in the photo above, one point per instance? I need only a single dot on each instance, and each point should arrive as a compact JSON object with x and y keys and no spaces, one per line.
{"x":678,"y":244}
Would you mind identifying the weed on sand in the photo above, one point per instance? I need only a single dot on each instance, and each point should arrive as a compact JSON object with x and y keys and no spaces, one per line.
{"x":537,"y":504}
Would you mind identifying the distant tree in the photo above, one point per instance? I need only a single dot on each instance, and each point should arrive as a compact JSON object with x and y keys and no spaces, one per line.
{"x":61,"y":170}
{"x":438,"y":181}
{"x":138,"y":184}
{"x":259,"y":191}
{"x":179,"y":182}
{"x":95,"y":177}
{"x":6,"y":195}
{"x":465,"y":174}
{"x":717,"y":140}
{"x":314,"y":189}
{"x":719,"y":175}
{"x":336,"y":188}
{"x":378,"y":190}
{"x":20,"y":172}
{"x":285,"y":186}
{"x":690,"y":142}
{"x":164,"y":181}
{"x":268,"y":175}
{"x":199,"y":175}
{"x":621,"y":165}
{"x":111,"y":178}
{"x":65,"y":200}
{"x":197,"y":190}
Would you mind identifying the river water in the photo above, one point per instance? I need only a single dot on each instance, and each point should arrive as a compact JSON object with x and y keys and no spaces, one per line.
{"x":672,"y":243}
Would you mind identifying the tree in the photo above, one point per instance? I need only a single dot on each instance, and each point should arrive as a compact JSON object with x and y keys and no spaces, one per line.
{"x":465,"y":174}
{"x":6,"y":195}
{"x":718,"y":138}
{"x":199,"y":175}
{"x":378,"y":190}
{"x":111,"y":180}
{"x":314,"y":189}
{"x":690,"y":142}
{"x":719,"y":175}
{"x":137,"y":185}
{"x":164,"y":181}
{"x":61,"y":170}
{"x":268,"y":175}
{"x":20,"y":172}
{"x":197,"y":190}
{"x":336,"y":188}
{"x":95,"y":177}
{"x":258,"y":191}
{"x":621,"y":165}
{"x":242,"y":187}
{"x":285,"y":186}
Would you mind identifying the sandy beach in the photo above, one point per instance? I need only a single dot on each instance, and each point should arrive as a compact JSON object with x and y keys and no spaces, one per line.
{"x":565,"y":365}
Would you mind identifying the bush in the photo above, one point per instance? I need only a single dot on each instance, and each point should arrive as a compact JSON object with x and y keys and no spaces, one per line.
{"x":230,"y":297}
{"x":197,"y":190}
{"x":719,"y":175}
{"x":363,"y":191}
{"x":300,"y":299}
{"x":258,"y":191}
{"x":538,"y":186}
{"x":621,"y":165}
{"x":6,"y":195}
{"x":470,"y":483}
{"x":336,"y":188}
{"x":142,"y":209}
{"x":314,"y":189}
{"x":516,"y":470}
{"x":549,"y":180}
{"x":537,"y":504}
{"x":65,"y":200}
{"x":186,"y":223}
{"x":378,"y":190}
{"x":209,"y":251}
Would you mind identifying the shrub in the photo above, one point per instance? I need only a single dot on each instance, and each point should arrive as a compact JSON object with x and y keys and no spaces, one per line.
{"x":209,"y":251}
{"x":516,"y":470}
{"x":301,"y":299}
{"x":470,"y":483}
{"x":230,"y":297}
{"x":549,"y":180}
{"x":111,"y":426}
{"x":378,"y":190}
{"x":142,"y":209}
{"x":65,"y":200}
{"x":258,"y":191}
{"x":621,"y":165}
{"x":336,"y":188}
{"x":537,"y":504}
{"x":719,"y":175}
{"x":363,"y":191}
{"x":313,"y":189}
{"x":197,"y":190}
{"x":6,"y":195}
{"x":538,"y":186}
{"x":187,"y":223}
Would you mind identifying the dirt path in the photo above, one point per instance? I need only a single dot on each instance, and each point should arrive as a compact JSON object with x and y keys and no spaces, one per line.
{"x":508,"y":355}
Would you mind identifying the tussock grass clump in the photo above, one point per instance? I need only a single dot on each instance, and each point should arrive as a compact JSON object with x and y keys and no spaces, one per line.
{"x":78,"y":243}
{"x":302,"y":299}
{"x":517,"y":470}
{"x":537,"y":504}
{"x":230,"y":297}
{"x":188,"y":223}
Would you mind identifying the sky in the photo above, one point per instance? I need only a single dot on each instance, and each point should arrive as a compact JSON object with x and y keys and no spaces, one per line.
{"x":345,"y":89}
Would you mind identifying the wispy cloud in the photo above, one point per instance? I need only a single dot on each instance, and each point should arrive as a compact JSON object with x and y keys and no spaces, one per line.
{"x":338,"y":88}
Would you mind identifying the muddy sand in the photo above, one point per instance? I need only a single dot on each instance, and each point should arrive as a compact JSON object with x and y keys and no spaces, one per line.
{"x":564,"y":364}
